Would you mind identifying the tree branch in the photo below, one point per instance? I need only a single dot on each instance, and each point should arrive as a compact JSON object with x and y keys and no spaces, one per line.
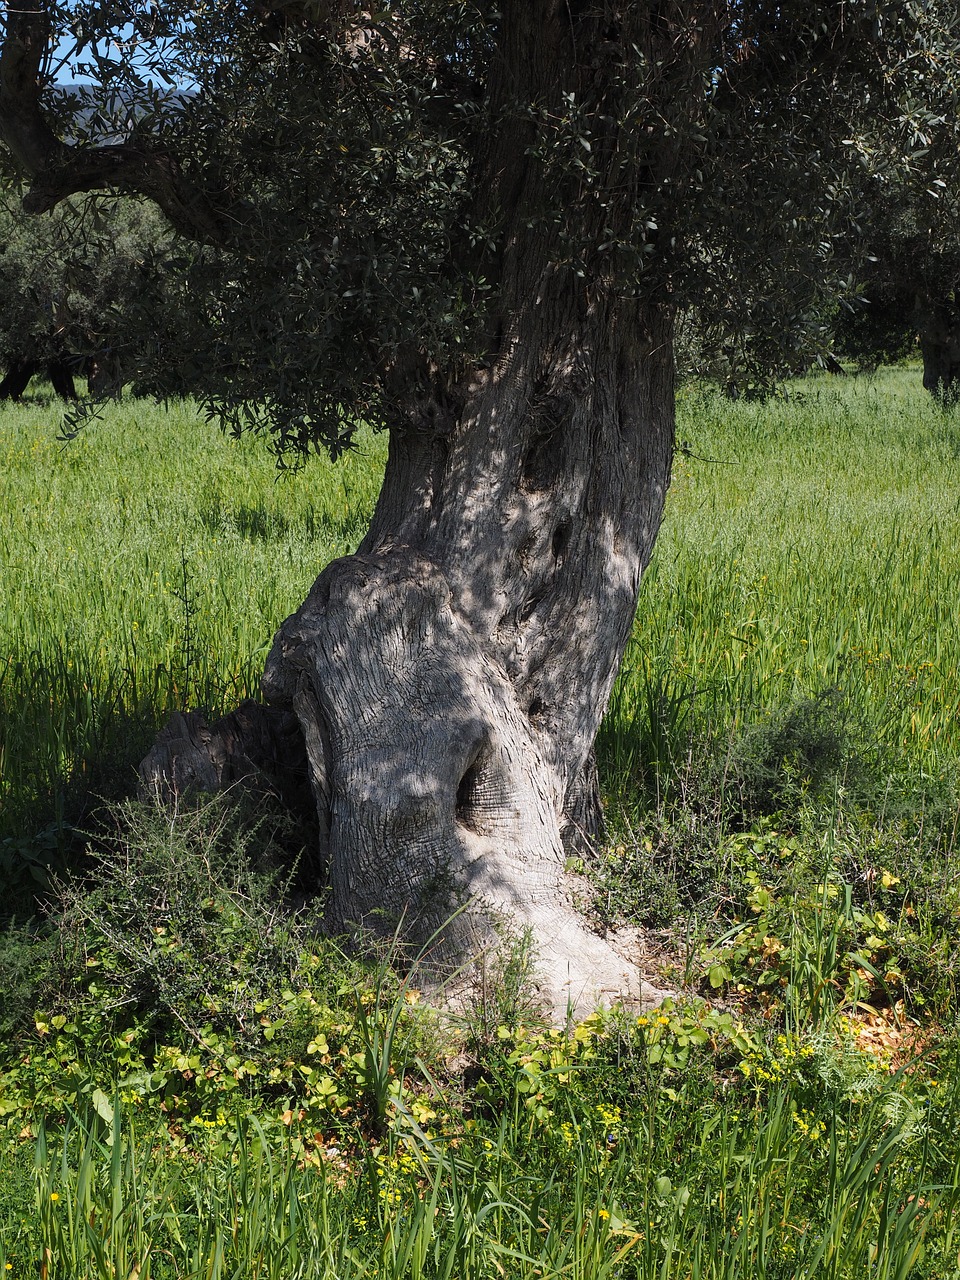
{"x":59,"y":170}
{"x":25,"y":45}
{"x":136,"y":169}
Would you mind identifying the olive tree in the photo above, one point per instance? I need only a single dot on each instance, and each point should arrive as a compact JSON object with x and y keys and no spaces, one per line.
{"x":905,"y":256}
{"x":74,"y":289}
{"x":910,"y":287}
{"x":472,"y":223}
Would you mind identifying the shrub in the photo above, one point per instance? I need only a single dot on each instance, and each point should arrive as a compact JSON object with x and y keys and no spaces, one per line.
{"x":799,"y":750}
{"x":181,"y":920}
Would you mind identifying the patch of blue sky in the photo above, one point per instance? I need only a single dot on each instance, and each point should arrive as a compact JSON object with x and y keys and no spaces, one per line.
{"x":155,"y":63}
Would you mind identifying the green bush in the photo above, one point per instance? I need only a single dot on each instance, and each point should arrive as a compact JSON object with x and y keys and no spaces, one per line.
{"x":181,"y":920}
{"x":804,"y":749}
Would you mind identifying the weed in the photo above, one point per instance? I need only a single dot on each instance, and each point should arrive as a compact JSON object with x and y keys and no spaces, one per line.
{"x":181,"y":919}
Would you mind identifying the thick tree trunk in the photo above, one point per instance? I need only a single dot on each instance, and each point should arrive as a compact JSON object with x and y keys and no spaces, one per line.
{"x":18,"y":375}
{"x":450,"y":678}
{"x":938,"y":323}
{"x":19,"y":372}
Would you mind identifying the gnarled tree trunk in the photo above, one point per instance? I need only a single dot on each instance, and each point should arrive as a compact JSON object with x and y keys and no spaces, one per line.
{"x":450,"y":677}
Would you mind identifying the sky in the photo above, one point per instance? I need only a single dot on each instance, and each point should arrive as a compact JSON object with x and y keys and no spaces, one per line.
{"x":64,"y":62}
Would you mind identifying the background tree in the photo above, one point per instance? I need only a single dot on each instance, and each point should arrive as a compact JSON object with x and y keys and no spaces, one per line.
{"x":76,"y":289}
{"x":910,"y":283}
{"x":472,"y":224}
{"x":904,"y":254}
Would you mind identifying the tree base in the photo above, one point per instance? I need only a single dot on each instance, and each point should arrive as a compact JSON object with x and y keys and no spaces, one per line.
{"x":255,"y":747}
{"x":260,"y":750}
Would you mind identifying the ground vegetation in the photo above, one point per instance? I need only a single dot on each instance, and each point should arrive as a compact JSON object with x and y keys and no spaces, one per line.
{"x":473,"y":225}
{"x":193,"y":1076}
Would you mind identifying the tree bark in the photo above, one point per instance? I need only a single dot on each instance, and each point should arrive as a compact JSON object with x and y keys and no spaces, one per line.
{"x":450,"y":678}
{"x":938,"y":324}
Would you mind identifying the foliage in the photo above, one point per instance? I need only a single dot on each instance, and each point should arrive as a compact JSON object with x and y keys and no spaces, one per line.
{"x":346,"y":174}
{"x":879,"y":328}
{"x":639,"y":1162}
{"x":175,"y":967}
{"x":180,"y":919}
{"x":323,"y":1110}
{"x":831,"y":906}
{"x":77,"y":283}
{"x":25,"y":969}
{"x":909,"y":277}
{"x":804,"y":748}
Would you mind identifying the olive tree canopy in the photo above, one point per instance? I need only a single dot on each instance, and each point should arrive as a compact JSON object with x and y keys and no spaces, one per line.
{"x":910,"y":281}
{"x":474,"y":224}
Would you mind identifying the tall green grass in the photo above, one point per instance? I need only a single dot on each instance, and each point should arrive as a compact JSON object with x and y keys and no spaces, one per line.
{"x":811,"y":544}
{"x":735,"y":1192}
{"x":144,"y":567}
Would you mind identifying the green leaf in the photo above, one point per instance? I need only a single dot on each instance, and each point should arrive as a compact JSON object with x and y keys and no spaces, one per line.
{"x":103,"y":1105}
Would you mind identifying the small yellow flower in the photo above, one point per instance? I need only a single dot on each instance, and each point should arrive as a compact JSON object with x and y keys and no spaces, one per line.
{"x":54,"y":1196}
{"x":603,"y":1213}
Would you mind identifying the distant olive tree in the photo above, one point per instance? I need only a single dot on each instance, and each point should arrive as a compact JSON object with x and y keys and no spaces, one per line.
{"x":76,"y":289}
{"x":909,"y":288}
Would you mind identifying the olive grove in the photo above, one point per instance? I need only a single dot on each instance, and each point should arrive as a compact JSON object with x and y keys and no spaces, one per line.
{"x":474,"y":224}
{"x":76,"y":290}
{"x":910,"y":287}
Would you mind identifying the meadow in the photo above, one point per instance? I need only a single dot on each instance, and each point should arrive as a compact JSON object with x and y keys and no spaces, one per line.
{"x":194,"y":1082}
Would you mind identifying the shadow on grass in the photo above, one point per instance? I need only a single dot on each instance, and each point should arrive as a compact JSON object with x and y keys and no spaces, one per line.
{"x":258,"y":523}
{"x":72,"y":733}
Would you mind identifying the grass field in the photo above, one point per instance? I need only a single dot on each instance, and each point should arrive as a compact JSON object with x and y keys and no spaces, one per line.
{"x":813,"y":544}
{"x":193,"y":1083}
{"x":143,"y":568}
{"x":809,"y":544}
